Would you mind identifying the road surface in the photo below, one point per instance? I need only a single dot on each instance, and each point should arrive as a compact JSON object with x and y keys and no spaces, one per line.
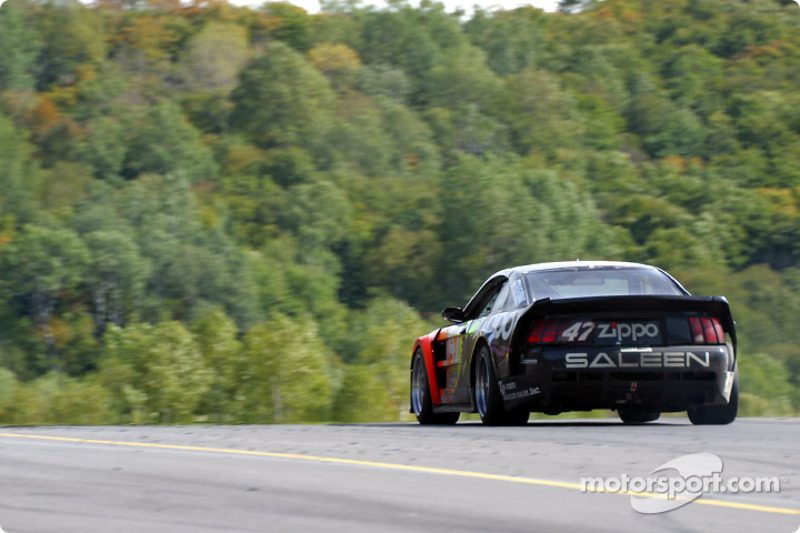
{"x":382,"y":477}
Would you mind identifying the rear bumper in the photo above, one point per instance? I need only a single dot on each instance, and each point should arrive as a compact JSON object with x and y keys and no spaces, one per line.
{"x":671,"y":378}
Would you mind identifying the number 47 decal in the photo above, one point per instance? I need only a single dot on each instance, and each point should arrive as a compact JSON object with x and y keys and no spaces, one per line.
{"x":579,"y":331}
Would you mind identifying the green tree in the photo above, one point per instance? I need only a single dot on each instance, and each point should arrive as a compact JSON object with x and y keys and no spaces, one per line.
{"x":541,"y":115}
{"x":159,"y":371}
{"x":501,"y":213}
{"x":19,"y":176}
{"x":338,"y":62}
{"x":290,"y":24}
{"x":20,"y":44}
{"x":384,"y":80}
{"x":462,"y":77}
{"x":216,"y":336}
{"x":288,"y":373}
{"x":214,"y":56}
{"x":104,"y":147}
{"x":513,"y":40}
{"x":73,"y":42}
{"x":362,"y":397}
{"x":8,"y":389}
{"x":666,"y":129}
{"x":41,"y":267}
{"x":59,"y":399}
{"x":282,"y":99}
{"x":116,"y":277}
{"x":415,"y":40}
{"x":164,"y":142}
{"x":384,"y":333}
{"x":765,"y":386}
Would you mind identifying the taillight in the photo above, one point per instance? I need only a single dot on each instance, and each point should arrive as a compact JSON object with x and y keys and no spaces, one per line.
{"x":706,"y":330}
{"x":697,"y":330}
{"x":535,"y":336}
{"x":709,"y":331}
{"x":545,"y":332}
{"x":551,"y":332}
{"x":719,"y":331}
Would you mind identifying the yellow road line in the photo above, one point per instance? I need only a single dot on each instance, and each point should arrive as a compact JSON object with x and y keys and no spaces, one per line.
{"x":394,"y":466}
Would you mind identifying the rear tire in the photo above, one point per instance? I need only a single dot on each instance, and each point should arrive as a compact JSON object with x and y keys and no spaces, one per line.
{"x":421,"y":396}
{"x":487,"y":397}
{"x":633,"y":415}
{"x":717,"y":414}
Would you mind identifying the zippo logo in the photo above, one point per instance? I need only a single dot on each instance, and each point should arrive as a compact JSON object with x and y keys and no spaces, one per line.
{"x":634,"y":331}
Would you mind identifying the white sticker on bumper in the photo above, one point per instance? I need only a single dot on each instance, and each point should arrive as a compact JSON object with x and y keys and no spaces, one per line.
{"x":726,"y":391}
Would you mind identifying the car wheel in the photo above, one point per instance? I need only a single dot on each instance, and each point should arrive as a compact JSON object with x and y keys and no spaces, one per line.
{"x":488,"y":401}
{"x":717,"y":414}
{"x":421,"y":396}
{"x":633,"y":415}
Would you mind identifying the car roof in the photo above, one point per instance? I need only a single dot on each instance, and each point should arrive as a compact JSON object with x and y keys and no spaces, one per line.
{"x":564,"y":265}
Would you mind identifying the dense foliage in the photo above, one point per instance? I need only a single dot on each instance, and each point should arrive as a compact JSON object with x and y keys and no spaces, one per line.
{"x":225,"y":214}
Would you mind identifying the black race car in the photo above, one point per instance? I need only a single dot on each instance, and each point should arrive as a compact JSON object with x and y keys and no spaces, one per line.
{"x":576,"y":336}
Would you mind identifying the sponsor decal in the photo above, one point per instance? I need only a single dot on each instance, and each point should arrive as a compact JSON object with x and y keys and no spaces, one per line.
{"x":453,"y":348}
{"x":510,"y":392}
{"x":508,"y":328}
{"x":726,"y":391}
{"x":679,"y":482}
{"x":518,"y":291}
{"x":502,"y":325}
{"x":619,"y":331}
{"x":474,"y":326}
{"x":643,"y":359}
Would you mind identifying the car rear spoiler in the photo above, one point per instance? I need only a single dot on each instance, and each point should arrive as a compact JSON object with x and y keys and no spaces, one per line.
{"x":712,"y":305}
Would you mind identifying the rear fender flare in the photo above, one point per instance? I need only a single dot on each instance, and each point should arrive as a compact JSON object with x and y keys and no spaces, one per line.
{"x":425,"y":345}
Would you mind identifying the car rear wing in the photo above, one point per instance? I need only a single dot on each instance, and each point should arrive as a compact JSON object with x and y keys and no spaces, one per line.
{"x":630,"y":306}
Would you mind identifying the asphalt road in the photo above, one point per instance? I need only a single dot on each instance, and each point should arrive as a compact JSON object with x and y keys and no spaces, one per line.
{"x":382,"y":477}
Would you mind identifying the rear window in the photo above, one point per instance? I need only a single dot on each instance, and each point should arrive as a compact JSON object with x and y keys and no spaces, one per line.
{"x":579,"y":282}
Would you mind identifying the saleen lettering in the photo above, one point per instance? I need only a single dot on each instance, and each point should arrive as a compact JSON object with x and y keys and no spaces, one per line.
{"x":638,"y":360}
